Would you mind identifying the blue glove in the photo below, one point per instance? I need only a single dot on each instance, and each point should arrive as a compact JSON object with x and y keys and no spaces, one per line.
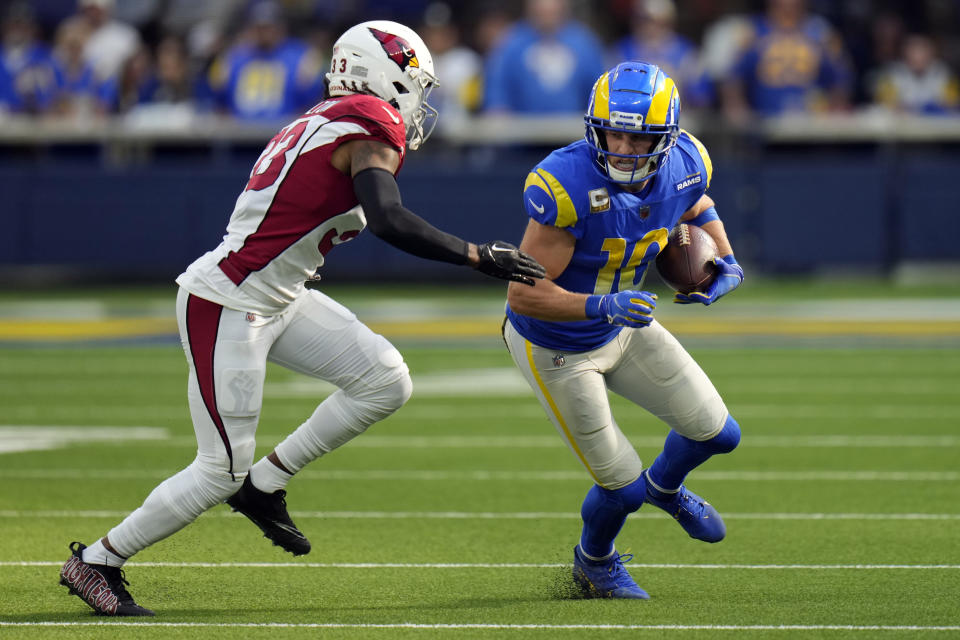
{"x":626,"y":308}
{"x":729,"y":277}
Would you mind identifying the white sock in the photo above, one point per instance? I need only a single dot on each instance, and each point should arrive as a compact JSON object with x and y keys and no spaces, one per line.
{"x":99,"y":554}
{"x":590,"y":557}
{"x":658,"y":487}
{"x":268,"y":477}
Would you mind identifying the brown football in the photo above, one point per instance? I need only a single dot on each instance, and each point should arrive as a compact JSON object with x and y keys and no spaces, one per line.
{"x":686,"y":263}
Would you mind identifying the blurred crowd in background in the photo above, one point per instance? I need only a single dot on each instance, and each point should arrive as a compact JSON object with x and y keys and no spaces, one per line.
{"x":265,"y":60}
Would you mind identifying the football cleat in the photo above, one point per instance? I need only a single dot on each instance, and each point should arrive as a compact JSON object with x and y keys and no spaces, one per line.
{"x":269,"y":512}
{"x":605,"y":578}
{"x":697,"y":516}
{"x":101,"y":587}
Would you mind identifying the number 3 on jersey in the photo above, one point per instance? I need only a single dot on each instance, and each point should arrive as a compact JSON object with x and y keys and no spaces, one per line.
{"x":616,"y":276}
{"x":273,"y":158}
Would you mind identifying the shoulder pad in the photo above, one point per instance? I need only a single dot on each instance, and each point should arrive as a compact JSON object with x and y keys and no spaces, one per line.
{"x":702,"y":151}
{"x":372,"y":108}
{"x":547,"y":201}
{"x":367,"y":110}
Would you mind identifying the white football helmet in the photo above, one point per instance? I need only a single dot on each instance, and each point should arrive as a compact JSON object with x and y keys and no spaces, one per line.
{"x":392,"y":62}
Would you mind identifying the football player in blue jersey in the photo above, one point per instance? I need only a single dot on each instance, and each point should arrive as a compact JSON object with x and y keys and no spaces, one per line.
{"x":600,"y":210}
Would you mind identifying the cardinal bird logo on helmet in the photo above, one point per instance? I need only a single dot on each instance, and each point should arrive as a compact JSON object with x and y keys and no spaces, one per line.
{"x":398,"y":49}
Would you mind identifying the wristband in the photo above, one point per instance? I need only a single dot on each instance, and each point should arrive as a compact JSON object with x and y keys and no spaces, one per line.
{"x":705,"y":216}
{"x":592,"y":308}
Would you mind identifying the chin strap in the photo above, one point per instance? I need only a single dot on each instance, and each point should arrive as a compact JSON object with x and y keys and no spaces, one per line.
{"x":633,"y":177}
{"x":639,"y":174}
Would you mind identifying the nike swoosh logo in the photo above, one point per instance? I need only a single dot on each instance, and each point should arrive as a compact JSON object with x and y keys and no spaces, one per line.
{"x":539,"y":208}
{"x":390,"y":113}
{"x":290,"y":530}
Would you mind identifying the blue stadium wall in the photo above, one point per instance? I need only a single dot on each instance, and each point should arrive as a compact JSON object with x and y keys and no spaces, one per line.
{"x":787,"y":211}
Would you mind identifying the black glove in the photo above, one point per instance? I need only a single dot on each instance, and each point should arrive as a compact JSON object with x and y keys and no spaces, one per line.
{"x":503,"y":260}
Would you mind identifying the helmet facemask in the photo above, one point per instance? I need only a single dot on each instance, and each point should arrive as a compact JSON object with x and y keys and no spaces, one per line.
{"x":419,"y":117}
{"x":633,"y":98}
{"x":645,"y":165}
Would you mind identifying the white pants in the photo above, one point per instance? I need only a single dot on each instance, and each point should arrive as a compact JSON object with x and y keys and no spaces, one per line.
{"x":227,"y":351}
{"x":647,"y":366}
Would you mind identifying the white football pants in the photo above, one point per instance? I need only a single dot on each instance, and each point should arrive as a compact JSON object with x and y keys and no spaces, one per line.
{"x":647,"y":366}
{"x":227,"y":351}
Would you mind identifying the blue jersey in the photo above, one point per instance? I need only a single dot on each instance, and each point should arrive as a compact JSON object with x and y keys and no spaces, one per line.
{"x":787,"y":70}
{"x":267,"y":85}
{"x":32,"y":77}
{"x":618,"y":233}
{"x":529,"y":72}
{"x":8,"y":98}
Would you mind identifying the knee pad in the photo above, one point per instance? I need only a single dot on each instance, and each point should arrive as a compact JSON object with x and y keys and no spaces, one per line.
{"x":395,"y":394}
{"x":728,"y":438}
{"x":386,"y":394}
{"x":203,"y":484}
{"x":214,"y":481}
{"x":383,"y":386}
{"x":173,"y":504}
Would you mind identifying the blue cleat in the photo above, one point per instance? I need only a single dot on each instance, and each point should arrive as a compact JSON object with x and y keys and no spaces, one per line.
{"x":697,"y":516}
{"x":605,"y":578}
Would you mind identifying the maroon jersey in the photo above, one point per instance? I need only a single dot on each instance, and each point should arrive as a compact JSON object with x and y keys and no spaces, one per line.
{"x":295,"y":208}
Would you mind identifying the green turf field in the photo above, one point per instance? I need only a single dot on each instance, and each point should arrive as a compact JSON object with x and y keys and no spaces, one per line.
{"x":457,"y":516}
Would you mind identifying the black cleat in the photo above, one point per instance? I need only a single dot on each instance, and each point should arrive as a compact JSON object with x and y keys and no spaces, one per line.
{"x":269,"y":512}
{"x":100,"y":586}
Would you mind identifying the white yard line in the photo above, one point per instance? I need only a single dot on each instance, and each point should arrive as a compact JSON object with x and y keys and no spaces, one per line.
{"x":550,"y":441}
{"x":503,"y":565}
{"x":417,"y":475}
{"x":487,"y":515}
{"x":507,"y":382}
{"x":18,"y":438}
{"x":24,"y":437}
{"x":493,"y":627}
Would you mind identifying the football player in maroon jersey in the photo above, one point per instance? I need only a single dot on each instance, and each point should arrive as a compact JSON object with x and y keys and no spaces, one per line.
{"x":319,"y":182}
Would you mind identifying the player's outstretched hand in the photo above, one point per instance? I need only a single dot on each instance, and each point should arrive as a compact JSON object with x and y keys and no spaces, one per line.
{"x":625,"y":308}
{"x":503,"y":260}
{"x":729,"y":277}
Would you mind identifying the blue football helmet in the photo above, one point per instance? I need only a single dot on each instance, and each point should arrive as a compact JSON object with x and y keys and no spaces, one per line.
{"x":633,"y":97}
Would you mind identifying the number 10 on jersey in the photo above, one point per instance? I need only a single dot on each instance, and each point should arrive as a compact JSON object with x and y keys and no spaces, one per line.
{"x":630,"y":275}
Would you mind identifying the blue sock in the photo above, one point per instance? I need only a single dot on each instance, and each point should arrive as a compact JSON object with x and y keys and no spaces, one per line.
{"x":682,"y":455}
{"x":604,"y":511}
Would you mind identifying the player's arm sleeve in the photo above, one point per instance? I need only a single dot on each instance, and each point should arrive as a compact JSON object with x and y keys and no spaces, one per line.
{"x":547,"y":201}
{"x":389,"y":220}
